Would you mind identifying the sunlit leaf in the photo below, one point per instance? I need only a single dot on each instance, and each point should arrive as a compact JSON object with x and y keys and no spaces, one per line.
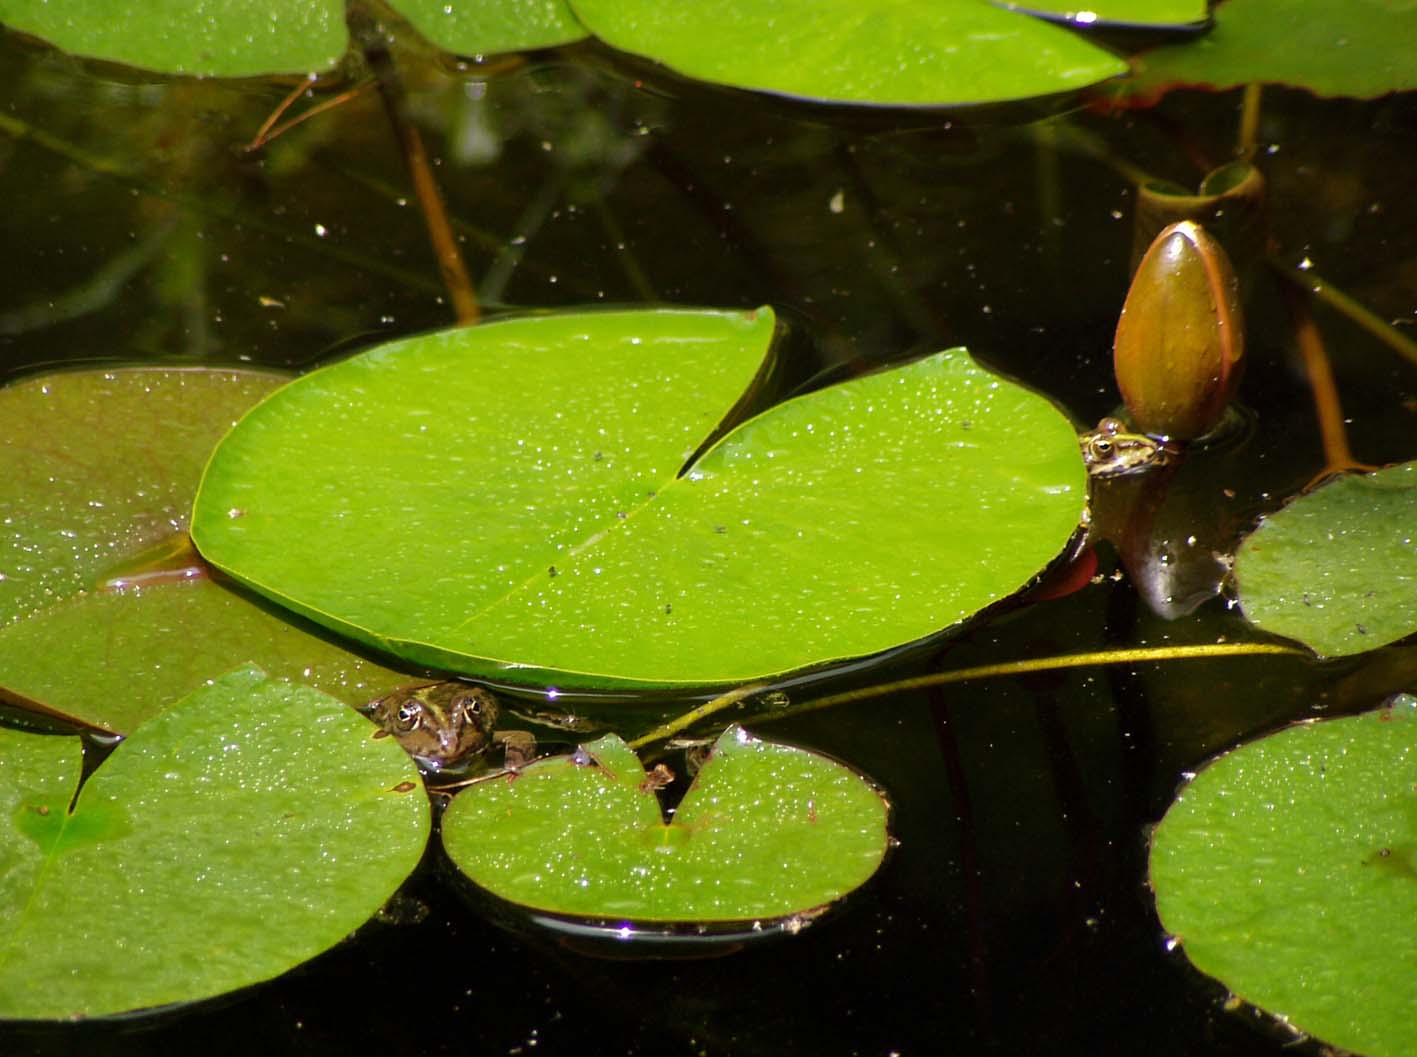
{"x":766,"y":830}
{"x":485,"y":27}
{"x":877,"y":52}
{"x":250,"y":827}
{"x":1337,"y":568}
{"x":1288,"y":870}
{"x":176,"y":36}
{"x":506,"y":500}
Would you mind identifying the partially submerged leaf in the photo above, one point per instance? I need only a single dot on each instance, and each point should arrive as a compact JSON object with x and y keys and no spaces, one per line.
{"x":106,"y":614}
{"x":487,"y":27}
{"x":102,"y":464}
{"x":767,"y":830}
{"x":1359,"y":48}
{"x":873,"y":52}
{"x":1288,"y":870}
{"x":112,"y":659}
{"x":1337,"y":568}
{"x":242,"y":832}
{"x":176,"y":36}
{"x":506,"y":501}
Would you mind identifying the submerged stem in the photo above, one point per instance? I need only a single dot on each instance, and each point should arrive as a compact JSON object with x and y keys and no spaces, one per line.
{"x":1096,"y":658}
{"x":425,"y":185}
{"x":1354,"y":311}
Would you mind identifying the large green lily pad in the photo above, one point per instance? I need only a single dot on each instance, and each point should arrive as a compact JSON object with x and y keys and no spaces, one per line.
{"x":106,"y":615}
{"x":765,"y":831}
{"x":1288,"y":870}
{"x":877,"y":52}
{"x":1337,"y":568}
{"x":1359,"y":48}
{"x":177,"y":36}
{"x":507,"y":501}
{"x":253,"y":825}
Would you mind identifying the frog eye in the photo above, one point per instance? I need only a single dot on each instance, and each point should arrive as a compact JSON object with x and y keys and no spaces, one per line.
{"x":469,"y":703}
{"x":408,"y":714}
{"x":1102,"y":446}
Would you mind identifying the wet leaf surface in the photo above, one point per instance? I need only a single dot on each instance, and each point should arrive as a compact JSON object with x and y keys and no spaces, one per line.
{"x":251,"y":826}
{"x":176,"y":36}
{"x":874,"y":52}
{"x":491,"y":26}
{"x":506,"y":501}
{"x":101,"y":465}
{"x":104,"y":614}
{"x":111,"y":659}
{"x":1337,"y":568}
{"x":1360,"y":48}
{"x":1288,"y":870}
{"x":766,"y":830}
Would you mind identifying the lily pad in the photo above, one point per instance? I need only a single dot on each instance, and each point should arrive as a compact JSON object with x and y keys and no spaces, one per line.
{"x":106,"y":615}
{"x":1337,"y":568}
{"x":242,"y":832}
{"x":101,"y":465}
{"x":486,"y":27}
{"x":112,"y":659}
{"x":1357,"y":48}
{"x":176,"y":36}
{"x":1288,"y":870}
{"x":508,"y":501}
{"x":765,"y":831}
{"x":876,"y":52}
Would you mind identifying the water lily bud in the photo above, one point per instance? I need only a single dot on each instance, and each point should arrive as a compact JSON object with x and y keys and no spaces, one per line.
{"x":1180,"y":340}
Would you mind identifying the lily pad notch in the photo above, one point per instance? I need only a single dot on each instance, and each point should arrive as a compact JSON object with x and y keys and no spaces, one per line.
{"x":510,"y":501}
{"x":767,"y":831}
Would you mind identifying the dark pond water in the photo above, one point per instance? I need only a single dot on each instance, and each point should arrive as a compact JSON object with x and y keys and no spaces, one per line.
{"x":1014,"y":917}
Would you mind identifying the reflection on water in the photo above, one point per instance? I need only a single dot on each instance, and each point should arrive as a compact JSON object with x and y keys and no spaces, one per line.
{"x":1014,"y":917}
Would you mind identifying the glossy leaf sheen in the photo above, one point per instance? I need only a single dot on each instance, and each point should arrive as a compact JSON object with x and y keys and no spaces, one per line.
{"x":1152,"y":13}
{"x":111,"y":660}
{"x":101,"y":467}
{"x":235,"y":836}
{"x":877,"y":52}
{"x":486,"y":27}
{"x":1337,"y":568}
{"x":504,"y":501}
{"x":766,"y":830}
{"x":217,"y":39}
{"x":1288,"y":870}
{"x":1360,"y":48}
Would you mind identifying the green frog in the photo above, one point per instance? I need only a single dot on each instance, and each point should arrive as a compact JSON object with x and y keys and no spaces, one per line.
{"x":447,"y":724}
{"x":1111,"y":450}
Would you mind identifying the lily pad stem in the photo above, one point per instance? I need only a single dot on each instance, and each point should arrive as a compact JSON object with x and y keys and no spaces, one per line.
{"x":420,"y":171}
{"x":1356,"y":313}
{"x":688,"y":719}
{"x":1140,"y":655}
{"x":1338,"y":457}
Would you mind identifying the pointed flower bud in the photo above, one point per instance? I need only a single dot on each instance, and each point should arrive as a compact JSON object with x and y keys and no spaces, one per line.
{"x":1180,"y":342}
